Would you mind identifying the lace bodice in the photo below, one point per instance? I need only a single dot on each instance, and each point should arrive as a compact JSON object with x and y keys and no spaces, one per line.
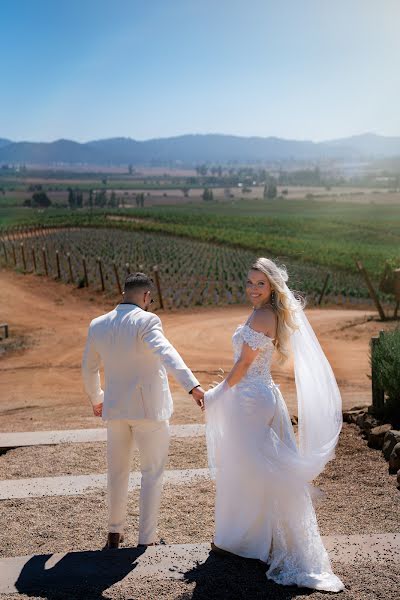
{"x":259,"y":371}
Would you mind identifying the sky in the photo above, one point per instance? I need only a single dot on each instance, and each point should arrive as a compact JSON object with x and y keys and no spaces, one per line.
{"x":296,"y":69}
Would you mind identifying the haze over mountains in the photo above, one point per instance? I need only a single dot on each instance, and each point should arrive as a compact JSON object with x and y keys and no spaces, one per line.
{"x":196,"y":149}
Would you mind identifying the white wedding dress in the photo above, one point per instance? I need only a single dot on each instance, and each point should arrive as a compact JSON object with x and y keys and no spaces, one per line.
{"x":263,"y":506}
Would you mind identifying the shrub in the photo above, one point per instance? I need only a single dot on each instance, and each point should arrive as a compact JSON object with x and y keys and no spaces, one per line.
{"x":386,"y":363}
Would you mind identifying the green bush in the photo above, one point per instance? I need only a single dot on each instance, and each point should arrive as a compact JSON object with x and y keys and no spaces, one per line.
{"x":386,"y":364}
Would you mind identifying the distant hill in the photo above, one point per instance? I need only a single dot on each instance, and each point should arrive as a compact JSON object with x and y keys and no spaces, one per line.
{"x":4,"y":142}
{"x":195,"y":149}
{"x":370,"y":145}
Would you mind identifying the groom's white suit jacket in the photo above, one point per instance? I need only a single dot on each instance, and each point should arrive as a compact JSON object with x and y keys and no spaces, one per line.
{"x":136,"y":357}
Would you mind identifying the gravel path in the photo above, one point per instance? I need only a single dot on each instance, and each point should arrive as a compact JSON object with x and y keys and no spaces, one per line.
{"x":361,"y":498}
{"x":86,"y":458}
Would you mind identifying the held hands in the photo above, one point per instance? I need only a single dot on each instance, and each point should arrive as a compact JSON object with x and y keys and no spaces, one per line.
{"x":198,"y":396}
{"x":98,"y":409}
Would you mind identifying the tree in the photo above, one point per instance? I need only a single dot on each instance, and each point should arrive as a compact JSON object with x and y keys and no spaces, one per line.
{"x":71,"y":198}
{"x":140,"y":200}
{"x":185,"y":191}
{"x":40,"y":200}
{"x":202,"y":170}
{"x":270,"y":190}
{"x":207,"y":195}
{"x":113,"y":202}
{"x":100,"y":199}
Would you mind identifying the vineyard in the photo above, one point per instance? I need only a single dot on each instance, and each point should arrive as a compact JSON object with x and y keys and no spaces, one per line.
{"x":189,"y":272}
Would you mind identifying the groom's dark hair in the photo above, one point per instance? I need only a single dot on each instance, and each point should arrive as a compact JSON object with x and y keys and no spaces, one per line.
{"x":136,"y":281}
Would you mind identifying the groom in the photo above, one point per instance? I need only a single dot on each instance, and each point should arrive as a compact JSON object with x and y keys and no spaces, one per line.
{"x":137,"y":401}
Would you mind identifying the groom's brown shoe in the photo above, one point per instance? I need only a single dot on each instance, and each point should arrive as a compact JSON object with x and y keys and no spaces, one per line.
{"x":114,"y":540}
{"x":221,"y":551}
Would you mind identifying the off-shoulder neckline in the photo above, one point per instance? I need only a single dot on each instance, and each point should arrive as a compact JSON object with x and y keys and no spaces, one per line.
{"x":258,"y":332}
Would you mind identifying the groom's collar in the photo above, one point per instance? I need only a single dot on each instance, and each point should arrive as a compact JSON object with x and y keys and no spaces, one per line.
{"x":127,"y":306}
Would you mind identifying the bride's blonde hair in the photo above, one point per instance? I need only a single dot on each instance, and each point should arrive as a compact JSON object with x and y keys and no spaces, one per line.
{"x":285,"y":304}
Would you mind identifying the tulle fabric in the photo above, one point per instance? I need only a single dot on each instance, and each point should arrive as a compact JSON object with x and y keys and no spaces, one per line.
{"x":264,"y":488}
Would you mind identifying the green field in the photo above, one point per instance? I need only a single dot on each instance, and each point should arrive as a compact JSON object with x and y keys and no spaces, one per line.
{"x":311,"y":237}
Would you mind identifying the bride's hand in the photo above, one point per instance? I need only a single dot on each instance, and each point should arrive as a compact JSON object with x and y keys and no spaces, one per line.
{"x":216,"y":392}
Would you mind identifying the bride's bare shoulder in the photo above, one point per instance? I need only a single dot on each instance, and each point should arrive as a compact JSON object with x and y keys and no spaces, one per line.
{"x":264,"y":320}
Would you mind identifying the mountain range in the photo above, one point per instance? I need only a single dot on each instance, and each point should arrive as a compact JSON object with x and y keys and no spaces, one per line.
{"x":195,"y":149}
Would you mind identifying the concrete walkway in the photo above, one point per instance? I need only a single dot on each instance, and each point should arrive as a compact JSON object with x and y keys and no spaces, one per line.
{"x":74,"y":436}
{"x":102,"y":569}
{"x":76,"y":485}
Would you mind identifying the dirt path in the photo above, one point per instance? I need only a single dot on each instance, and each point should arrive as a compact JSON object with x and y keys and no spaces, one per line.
{"x":40,"y":382}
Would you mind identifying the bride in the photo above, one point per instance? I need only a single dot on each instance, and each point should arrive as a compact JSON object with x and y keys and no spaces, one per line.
{"x":264,"y":494}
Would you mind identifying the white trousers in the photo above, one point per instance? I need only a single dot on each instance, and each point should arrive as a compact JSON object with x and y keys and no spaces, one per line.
{"x":152,"y":440}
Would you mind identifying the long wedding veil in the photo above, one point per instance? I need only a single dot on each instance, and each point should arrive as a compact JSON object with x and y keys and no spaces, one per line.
{"x":319,"y":401}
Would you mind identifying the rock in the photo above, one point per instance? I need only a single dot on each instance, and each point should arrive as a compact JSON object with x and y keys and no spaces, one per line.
{"x":360,"y":420}
{"x":376,"y":435}
{"x":394,"y":459}
{"x":363,"y":407}
{"x":398,"y":479}
{"x":391,"y":438}
{"x":350,"y":416}
{"x":366,"y":421}
{"x":370,"y":422}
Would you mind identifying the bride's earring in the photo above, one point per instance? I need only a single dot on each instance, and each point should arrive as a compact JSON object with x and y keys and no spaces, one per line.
{"x":273,"y":299}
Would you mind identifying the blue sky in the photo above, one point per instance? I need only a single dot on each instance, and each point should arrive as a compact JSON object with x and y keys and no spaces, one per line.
{"x":299,"y":69}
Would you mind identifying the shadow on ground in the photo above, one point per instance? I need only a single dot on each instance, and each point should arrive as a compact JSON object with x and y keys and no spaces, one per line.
{"x":78,"y":575}
{"x":87,"y":575}
{"x":220,"y":578}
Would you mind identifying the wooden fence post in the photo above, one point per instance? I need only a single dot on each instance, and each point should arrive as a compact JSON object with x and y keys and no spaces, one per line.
{"x":158,"y":285}
{"x":396,"y":291}
{"x":396,"y":308}
{"x":58,"y":265}
{"x":378,"y":394}
{"x":14,"y":255}
{"x":101,"y":274}
{"x":371,"y":290}
{"x":23,"y":256}
{"x":85,"y":275}
{"x":46,"y":270}
{"x":34,"y":259}
{"x":117,"y":278}
{"x":321,"y":297}
{"x":5,"y":251}
{"x":71,"y":276}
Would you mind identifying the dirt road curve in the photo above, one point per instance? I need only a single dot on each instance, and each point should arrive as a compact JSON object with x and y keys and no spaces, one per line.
{"x":40,"y":383}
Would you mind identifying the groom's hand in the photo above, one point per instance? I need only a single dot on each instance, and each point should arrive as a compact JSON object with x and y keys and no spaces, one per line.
{"x":98,"y":409}
{"x":198,"y":396}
